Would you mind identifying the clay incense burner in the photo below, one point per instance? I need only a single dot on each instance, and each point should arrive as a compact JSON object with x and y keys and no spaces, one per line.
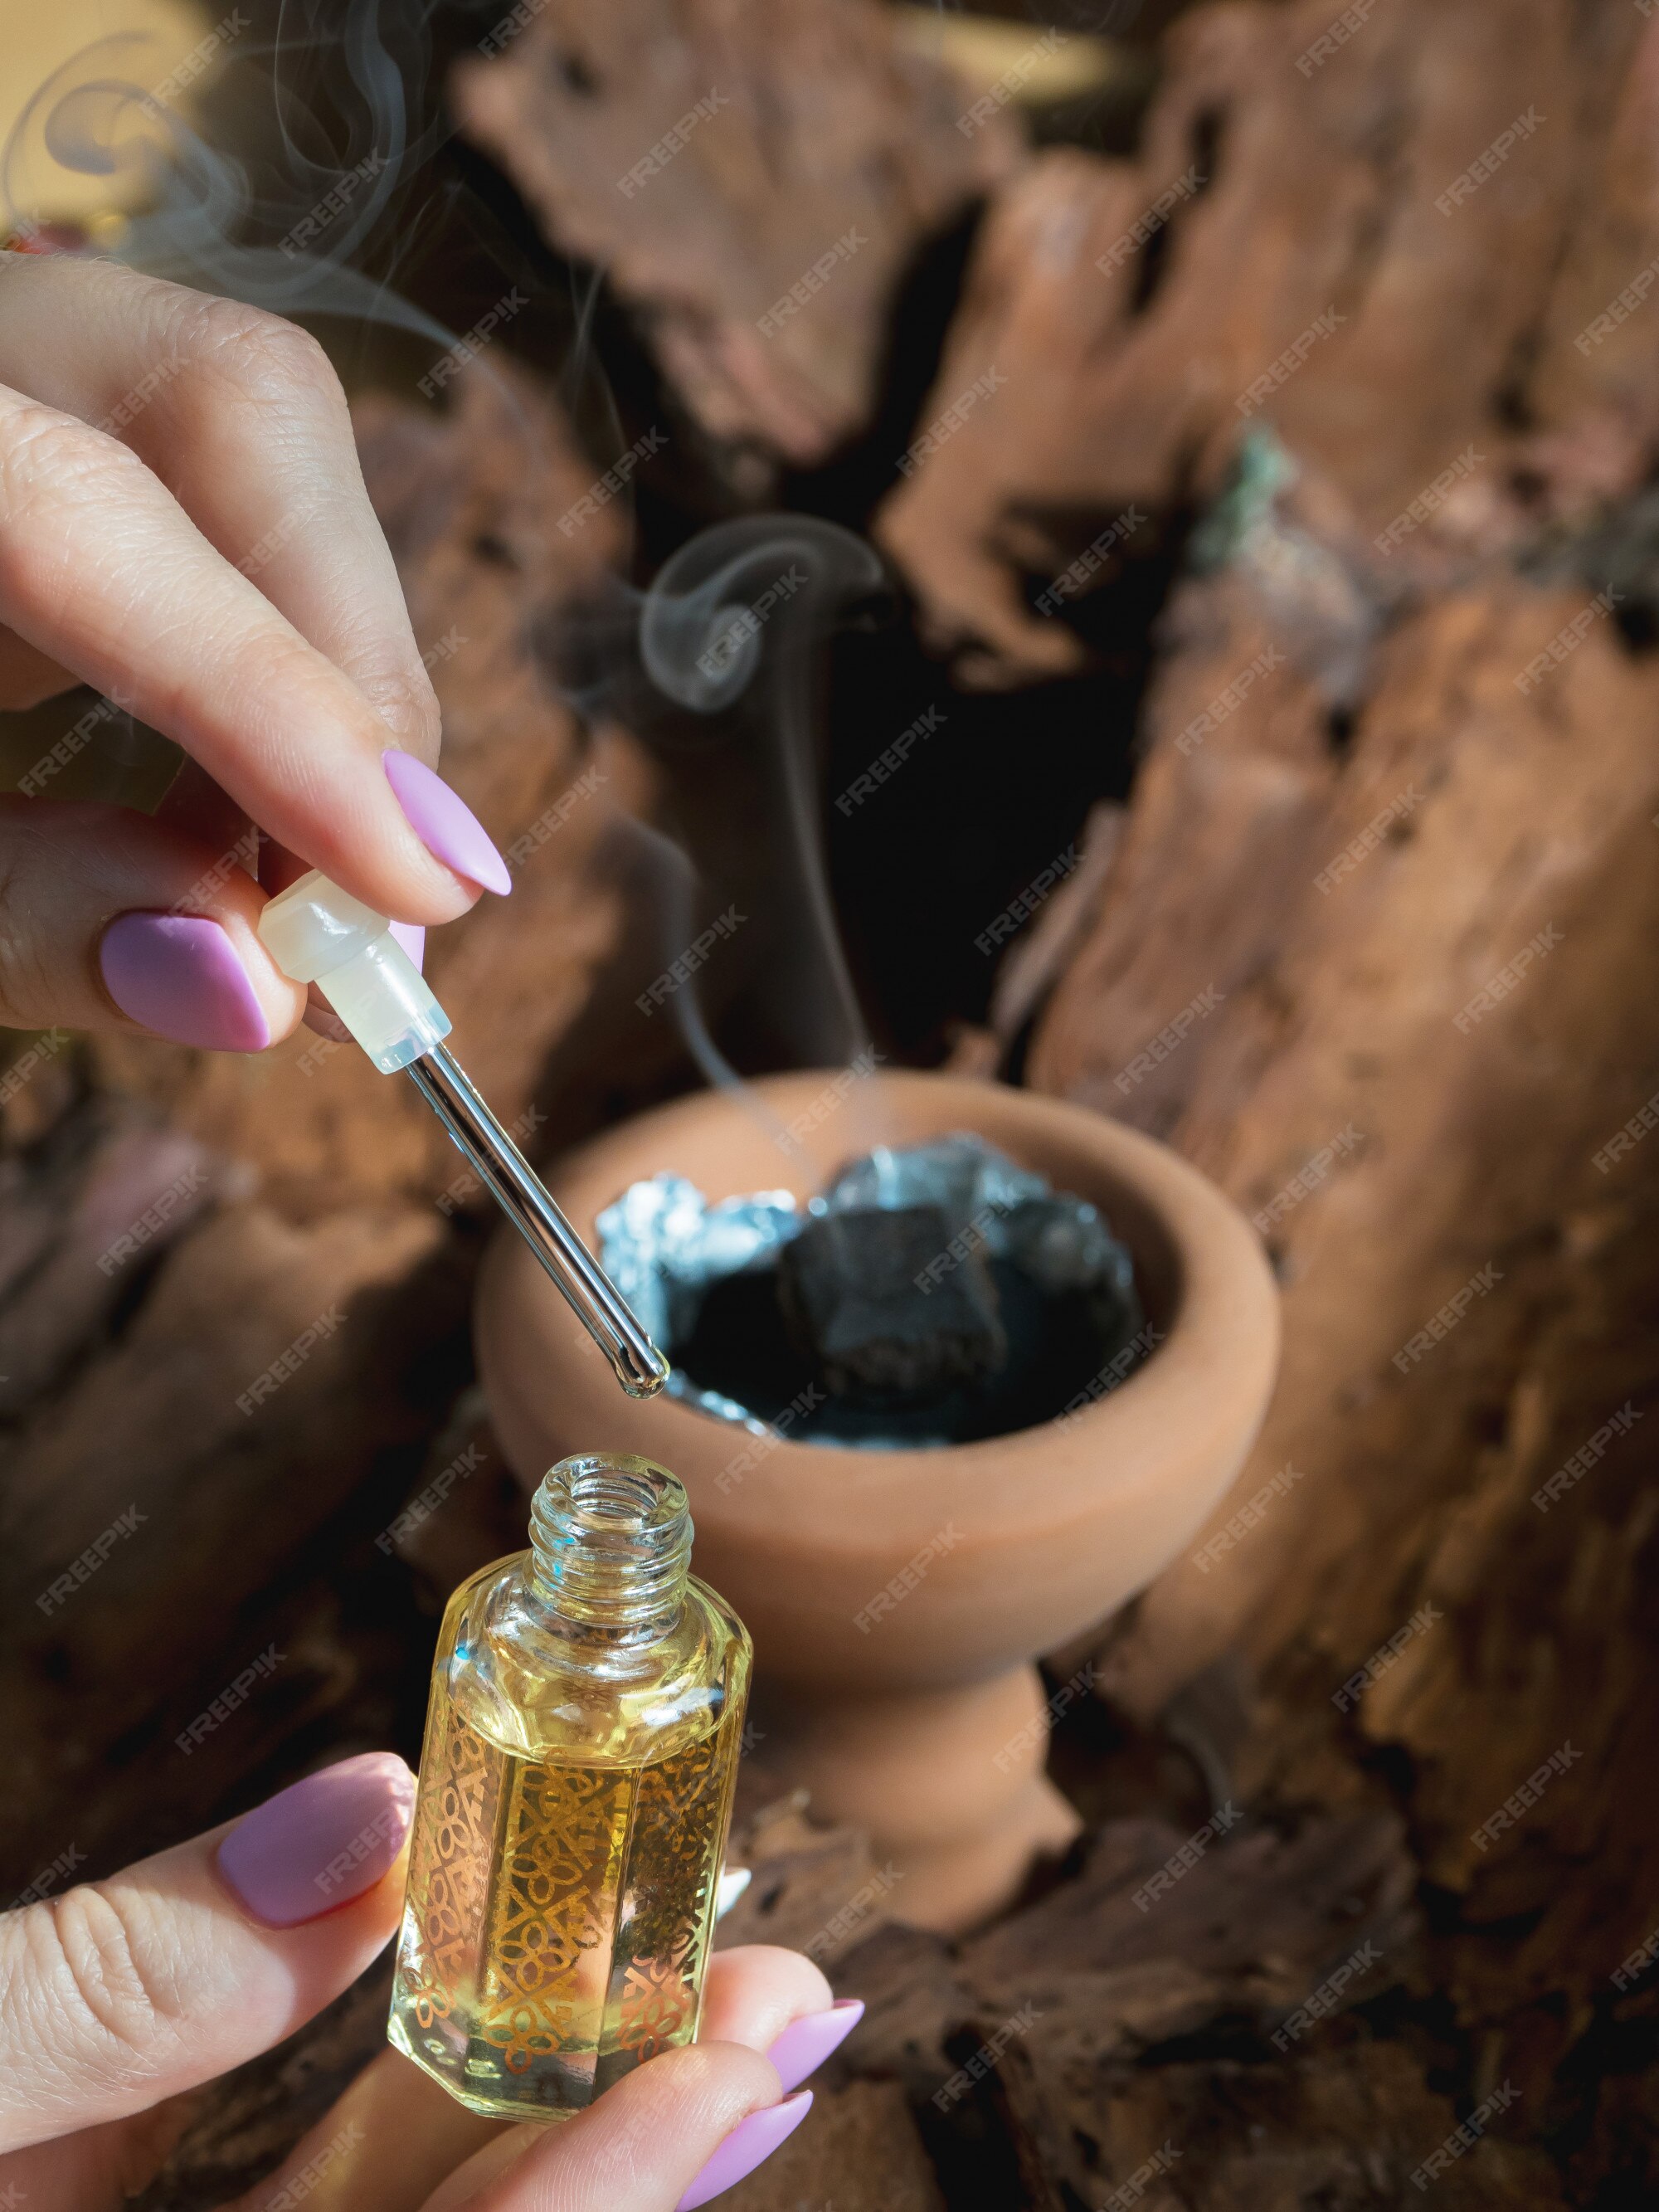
{"x":898,"y":1599}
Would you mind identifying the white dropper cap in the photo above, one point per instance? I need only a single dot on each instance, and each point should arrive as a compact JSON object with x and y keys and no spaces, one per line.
{"x":318,"y":933}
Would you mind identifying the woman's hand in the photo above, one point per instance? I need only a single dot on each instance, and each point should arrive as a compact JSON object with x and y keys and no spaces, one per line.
{"x":119,"y":1997}
{"x":183,"y":524}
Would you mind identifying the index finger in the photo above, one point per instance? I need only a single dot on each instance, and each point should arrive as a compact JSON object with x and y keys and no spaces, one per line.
{"x":240,"y":415}
{"x":102,"y":570}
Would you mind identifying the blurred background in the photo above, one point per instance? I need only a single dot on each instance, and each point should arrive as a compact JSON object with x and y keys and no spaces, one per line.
{"x":1252,"y":407}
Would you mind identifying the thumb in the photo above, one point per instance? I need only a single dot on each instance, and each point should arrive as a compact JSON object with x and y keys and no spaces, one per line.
{"x":122,"y":1992}
{"x":110,"y":919}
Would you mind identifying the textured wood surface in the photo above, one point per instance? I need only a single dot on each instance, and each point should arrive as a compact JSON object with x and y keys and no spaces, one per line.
{"x":798,"y":157}
{"x":1297,"y":209}
{"x":1371,"y":949}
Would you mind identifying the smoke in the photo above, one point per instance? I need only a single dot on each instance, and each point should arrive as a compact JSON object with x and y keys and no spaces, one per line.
{"x":718,"y":668}
{"x":743,"y":614}
{"x":677,"y":887}
{"x":321,"y":119}
{"x":308,"y":171}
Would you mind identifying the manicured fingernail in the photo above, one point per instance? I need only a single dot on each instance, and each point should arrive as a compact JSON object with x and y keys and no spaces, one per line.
{"x":321,"y":1843}
{"x":412,"y":937}
{"x":178,"y":975}
{"x":805,"y":2044}
{"x":733,"y":1883}
{"x":750,"y":2142}
{"x":444,"y":822}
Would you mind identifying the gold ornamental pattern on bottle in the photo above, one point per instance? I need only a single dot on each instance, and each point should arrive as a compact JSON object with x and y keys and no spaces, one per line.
{"x":581,"y":1749}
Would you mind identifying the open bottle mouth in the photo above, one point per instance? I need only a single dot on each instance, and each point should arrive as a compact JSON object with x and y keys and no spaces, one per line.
{"x":616,"y":1496}
{"x":610,"y":1541}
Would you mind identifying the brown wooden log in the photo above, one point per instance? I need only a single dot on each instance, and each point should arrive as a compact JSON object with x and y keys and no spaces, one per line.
{"x":1280,"y":253}
{"x":1351,"y":2125}
{"x":1215,"y":1998}
{"x":754,"y":178}
{"x":95,"y":1202}
{"x":1155,"y":1937}
{"x":1372,"y":947}
{"x":218,"y":1435}
{"x":861,"y":2154}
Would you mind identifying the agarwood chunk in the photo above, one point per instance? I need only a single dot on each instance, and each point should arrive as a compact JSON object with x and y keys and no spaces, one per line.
{"x":889,"y":1303}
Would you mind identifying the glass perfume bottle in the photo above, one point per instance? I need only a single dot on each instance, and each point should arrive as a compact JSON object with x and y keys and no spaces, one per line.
{"x":576,"y":1789}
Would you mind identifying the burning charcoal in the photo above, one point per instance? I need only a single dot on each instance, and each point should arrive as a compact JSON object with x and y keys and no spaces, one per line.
{"x":1056,"y":1325}
{"x":889,"y":1304}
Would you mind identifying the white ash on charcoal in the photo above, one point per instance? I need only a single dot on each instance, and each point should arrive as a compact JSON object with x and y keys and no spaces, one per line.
{"x":932,"y":1295}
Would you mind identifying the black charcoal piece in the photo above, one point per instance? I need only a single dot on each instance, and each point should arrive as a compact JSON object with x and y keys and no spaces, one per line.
{"x":889,"y":1305}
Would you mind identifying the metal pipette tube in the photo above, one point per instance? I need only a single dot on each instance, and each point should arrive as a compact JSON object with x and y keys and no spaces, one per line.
{"x":588,"y":1289}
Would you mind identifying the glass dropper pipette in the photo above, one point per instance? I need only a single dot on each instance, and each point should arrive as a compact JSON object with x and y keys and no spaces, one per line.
{"x":318,"y":933}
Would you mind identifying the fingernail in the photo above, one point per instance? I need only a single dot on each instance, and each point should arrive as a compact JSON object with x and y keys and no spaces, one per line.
{"x":733,"y":1883}
{"x":805,"y":2044}
{"x":178,"y":975}
{"x":412,"y":937}
{"x":750,"y":2142}
{"x":321,"y":1843}
{"x":444,"y":822}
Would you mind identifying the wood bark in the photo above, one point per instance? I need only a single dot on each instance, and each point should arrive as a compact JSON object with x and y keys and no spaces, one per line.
{"x":755,"y":178}
{"x":1372,"y":946}
{"x":1284,"y":222}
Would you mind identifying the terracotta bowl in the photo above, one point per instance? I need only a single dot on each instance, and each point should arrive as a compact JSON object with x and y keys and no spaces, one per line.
{"x":898,"y":1599}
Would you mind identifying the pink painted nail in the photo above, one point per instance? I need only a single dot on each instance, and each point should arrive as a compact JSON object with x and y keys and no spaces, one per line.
{"x":750,"y":2142}
{"x":412,"y":937}
{"x":321,"y":1843}
{"x":179,"y":975}
{"x":805,"y":2044}
{"x":444,"y":822}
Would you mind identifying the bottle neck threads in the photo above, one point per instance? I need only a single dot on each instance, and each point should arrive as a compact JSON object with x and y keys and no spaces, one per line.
{"x":611,"y":1545}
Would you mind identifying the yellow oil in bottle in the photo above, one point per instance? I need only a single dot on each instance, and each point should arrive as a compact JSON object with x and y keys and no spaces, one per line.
{"x":563,"y":1883}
